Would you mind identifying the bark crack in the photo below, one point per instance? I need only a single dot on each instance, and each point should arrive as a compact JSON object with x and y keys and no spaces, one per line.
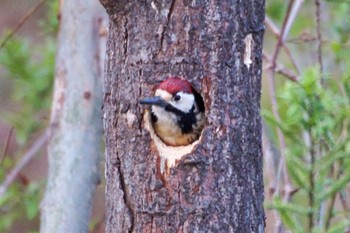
{"x":162,"y":35}
{"x":126,"y":37}
{"x":125,"y":195}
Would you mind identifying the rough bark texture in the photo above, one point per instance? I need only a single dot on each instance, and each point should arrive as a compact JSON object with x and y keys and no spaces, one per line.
{"x":76,"y":126}
{"x":218,"y":187}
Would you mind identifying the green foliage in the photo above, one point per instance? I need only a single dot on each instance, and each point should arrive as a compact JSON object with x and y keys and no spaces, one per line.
{"x":32,"y":81}
{"x":50,"y":24}
{"x":275,"y":9}
{"x":32,"y":200}
{"x":21,"y":200}
{"x":315,"y":122}
{"x":29,"y":68}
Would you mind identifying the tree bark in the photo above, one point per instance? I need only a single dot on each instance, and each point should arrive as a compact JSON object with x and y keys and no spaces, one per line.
{"x":76,"y":127}
{"x":217,"y":46}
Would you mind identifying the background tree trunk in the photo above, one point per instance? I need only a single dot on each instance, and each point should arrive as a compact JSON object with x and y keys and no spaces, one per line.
{"x":217,"y":45}
{"x":76,"y":127}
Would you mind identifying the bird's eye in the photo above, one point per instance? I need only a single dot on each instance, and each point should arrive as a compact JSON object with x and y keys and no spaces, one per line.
{"x":177,"y":98}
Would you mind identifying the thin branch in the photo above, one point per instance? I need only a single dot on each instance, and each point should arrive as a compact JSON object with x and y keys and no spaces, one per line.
{"x":336,"y":173}
{"x":281,"y":166}
{"x":276,"y":32}
{"x":292,"y":11}
{"x":281,"y":69}
{"x":274,"y":105}
{"x":329,"y":214}
{"x":288,"y":189}
{"x":38,"y":144}
{"x":6,"y":145}
{"x":311,"y":192}
{"x":307,"y":38}
{"x":319,"y":36}
{"x":293,"y":14}
{"x":345,"y":205}
{"x":21,"y":22}
{"x":269,"y":155}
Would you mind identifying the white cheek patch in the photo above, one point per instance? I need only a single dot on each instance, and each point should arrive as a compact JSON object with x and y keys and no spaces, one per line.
{"x":186,"y":102}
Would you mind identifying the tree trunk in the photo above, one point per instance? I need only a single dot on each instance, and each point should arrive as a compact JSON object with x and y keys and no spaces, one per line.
{"x":76,"y":127}
{"x":217,"y":46}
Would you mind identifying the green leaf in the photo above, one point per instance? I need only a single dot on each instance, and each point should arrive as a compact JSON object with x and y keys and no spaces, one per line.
{"x":288,"y":213}
{"x":298,"y":170}
{"x":337,"y":186}
{"x":339,"y":227}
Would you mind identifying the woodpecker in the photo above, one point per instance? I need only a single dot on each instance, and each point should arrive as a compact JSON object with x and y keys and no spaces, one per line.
{"x":177,"y":112}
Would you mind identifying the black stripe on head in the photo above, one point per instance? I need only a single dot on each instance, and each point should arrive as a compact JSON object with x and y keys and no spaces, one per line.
{"x":171,"y":108}
{"x":184,"y":120}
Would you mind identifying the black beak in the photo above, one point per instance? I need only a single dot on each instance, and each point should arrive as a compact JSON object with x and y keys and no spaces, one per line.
{"x":157,"y":100}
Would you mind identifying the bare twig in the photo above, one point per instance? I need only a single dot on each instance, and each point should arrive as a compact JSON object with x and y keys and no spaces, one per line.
{"x":293,"y":14}
{"x":6,"y":145}
{"x":335,"y":174}
{"x":281,"y":69}
{"x":271,"y":79}
{"x":21,"y":22}
{"x":288,"y":189}
{"x":280,"y":38}
{"x":311,"y":192}
{"x":269,"y":154}
{"x":39,"y":143}
{"x":288,"y":21}
{"x":270,"y":24}
{"x":319,"y":36}
{"x":269,"y":163}
{"x":345,"y":205}
{"x":276,"y":32}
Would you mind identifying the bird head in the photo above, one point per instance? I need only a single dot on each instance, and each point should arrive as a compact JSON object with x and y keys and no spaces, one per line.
{"x":174,"y":95}
{"x":177,"y":111}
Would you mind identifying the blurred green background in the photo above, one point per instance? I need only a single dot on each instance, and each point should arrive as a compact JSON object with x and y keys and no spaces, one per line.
{"x":27,"y":64}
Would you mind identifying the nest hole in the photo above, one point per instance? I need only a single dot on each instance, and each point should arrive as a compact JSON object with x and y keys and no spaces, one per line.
{"x":169,"y":155}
